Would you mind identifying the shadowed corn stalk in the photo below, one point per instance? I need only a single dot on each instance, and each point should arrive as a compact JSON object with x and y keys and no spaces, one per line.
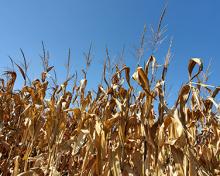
{"x":113,"y":132}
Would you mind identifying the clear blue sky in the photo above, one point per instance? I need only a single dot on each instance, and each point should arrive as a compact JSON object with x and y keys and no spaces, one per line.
{"x":194,"y":26}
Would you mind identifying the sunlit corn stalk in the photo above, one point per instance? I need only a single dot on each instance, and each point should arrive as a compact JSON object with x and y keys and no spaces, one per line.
{"x":114,"y":131}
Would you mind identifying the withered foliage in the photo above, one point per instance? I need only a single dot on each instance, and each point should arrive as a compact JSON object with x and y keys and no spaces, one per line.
{"x":115,"y":131}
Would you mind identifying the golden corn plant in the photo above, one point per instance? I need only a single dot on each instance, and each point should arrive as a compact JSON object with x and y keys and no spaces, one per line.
{"x":116,"y":131}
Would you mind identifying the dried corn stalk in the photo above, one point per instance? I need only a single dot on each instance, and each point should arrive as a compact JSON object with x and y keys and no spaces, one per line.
{"x":116,"y":132}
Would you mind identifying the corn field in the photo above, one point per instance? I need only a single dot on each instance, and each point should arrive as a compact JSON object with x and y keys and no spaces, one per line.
{"x":118,"y":130}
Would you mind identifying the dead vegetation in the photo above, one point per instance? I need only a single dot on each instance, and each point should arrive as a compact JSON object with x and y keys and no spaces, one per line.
{"x":114,"y":131}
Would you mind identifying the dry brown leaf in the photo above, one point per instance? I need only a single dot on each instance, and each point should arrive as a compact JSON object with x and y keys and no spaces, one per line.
{"x":192,"y":64}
